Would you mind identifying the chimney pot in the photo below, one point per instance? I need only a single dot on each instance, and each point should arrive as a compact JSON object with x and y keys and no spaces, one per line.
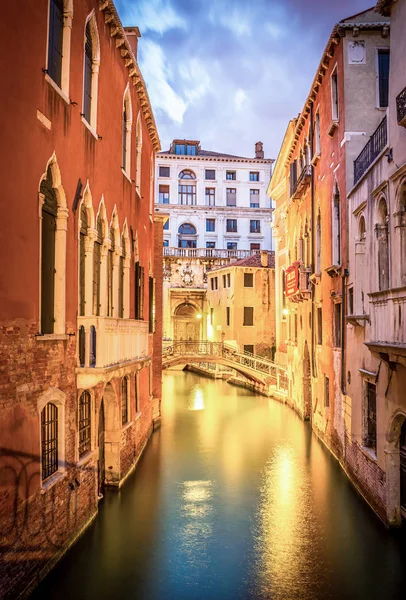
{"x":264,"y":258}
{"x":132,"y":34}
{"x":259,"y":150}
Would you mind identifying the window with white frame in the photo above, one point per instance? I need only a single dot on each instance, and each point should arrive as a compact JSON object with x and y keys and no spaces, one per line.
{"x":334,"y":95}
{"x":59,"y":42}
{"x":127,"y":123}
{"x":91,"y":72}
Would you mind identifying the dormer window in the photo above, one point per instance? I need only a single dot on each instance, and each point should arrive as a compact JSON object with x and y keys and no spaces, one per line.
{"x":186,"y":149}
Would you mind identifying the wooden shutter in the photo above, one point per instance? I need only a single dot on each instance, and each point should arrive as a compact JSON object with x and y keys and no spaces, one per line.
{"x":55,"y":40}
{"x":121,"y":289}
{"x":49,"y":211}
{"x":96,"y":267}
{"x":82,"y":273}
{"x":87,"y":85}
{"x":124,"y":135}
{"x":141,"y":292}
{"x":137,"y":290}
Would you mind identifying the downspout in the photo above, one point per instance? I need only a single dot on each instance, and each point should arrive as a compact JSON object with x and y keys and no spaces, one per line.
{"x":312,"y":221}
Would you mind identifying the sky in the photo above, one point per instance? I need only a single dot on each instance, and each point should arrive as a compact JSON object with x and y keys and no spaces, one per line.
{"x":231,"y":72}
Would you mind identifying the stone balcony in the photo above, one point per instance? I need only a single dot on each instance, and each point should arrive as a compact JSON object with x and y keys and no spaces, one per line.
{"x":107,"y":344}
{"x":388,"y":324}
{"x":208,"y":253}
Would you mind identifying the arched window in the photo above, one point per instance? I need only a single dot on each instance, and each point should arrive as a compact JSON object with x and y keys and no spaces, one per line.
{"x":49,"y":215}
{"x":82,"y":345}
{"x":92,"y":348}
{"x":49,"y":440}
{"x":124,"y":400}
{"x":110,"y":267}
{"x":400,"y":230}
{"x":383,"y":245}
{"x":121,"y":280}
{"x":187,"y":237}
{"x":96,"y":265}
{"x":127,"y":122}
{"x":91,"y":72}
{"x":362,"y":229}
{"x":84,"y":423}
{"x":59,"y":36}
{"x":82,"y":258}
{"x":336,"y":229}
{"x":318,"y":245}
{"x":187,"y":192}
{"x":138,"y":154}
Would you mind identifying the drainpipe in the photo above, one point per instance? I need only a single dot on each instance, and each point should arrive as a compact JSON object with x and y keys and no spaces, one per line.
{"x":343,"y":311}
{"x":312,"y":221}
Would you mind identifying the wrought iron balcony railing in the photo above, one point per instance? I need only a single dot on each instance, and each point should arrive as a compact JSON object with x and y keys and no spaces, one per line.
{"x":373,"y":148}
{"x":302,"y":183}
{"x":401,"y":107}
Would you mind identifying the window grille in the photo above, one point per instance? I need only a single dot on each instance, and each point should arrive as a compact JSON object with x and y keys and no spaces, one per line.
{"x":49,"y":440}
{"x":124,"y":401}
{"x":84,"y":423}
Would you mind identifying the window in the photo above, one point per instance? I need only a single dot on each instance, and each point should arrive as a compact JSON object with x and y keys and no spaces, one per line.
{"x":334,"y":96}
{"x":187,"y":194}
{"x":210,"y":174}
{"x":55,"y":40}
{"x":228,"y":316}
{"x":84,"y":425}
{"x":293,"y":176}
{"x":82,"y":258}
{"x":370,"y":420}
{"x":319,"y":326}
{"x":124,"y":401}
{"x":212,"y":283}
{"x":383,"y":77}
{"x":255,"y":226}
{"x":210,"y":197}
{"x":254,"y":198}
{"x":49,"y":440}
{"x":224,"y":281}
{"x":318,"y":244}
{"x":254,"y":175}
{"x":139,"y":292}
{"x":187,"y":174}
{"x":295,"y":328}
{"x":82,"y":346}
{"x":136,"y":395}
{"x":48,"y":235}
{"x":231,"y":227}
{"x":210,"y":224}
{"x":231,"y":245}
{"x":127,"y":122}
{"x":255,"y":247}
{"x":138,"y":154}
{"x":216,"y":283}
{"x":228,"y":280}
{"x":166,"y":225}
{"x":151,"y":304}
{"x":187,"y":236}
{"x":212,"y":316}
{"x":283,"y":295}
{"x":163,"y":194}
{"x":96,"y":266}
{"x":382,"y":234}
{"x":91,"y":72}
{"x":186,"y":149}
{"x":337,"y":325}
{"x":248,"y":349}
{"x":248,"y":279}
{"x":110,"y":274}
{"x":336,"y":233}
{"x":326,"y":391}
{"x":165,"y":243}
{"x":351,"y":301}
{"x":248,"y":315}
{"x":317,"y":133}
{"x":231,"y":175}
{"x":92,"y":349}
{"x":231,"y":197}
{"x":121,"y":276}
{"x":210,"y":244}
{"x":164,"y":171}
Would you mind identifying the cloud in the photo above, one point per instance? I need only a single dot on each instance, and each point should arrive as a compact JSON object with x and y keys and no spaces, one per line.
{"x":157,"y":74}
{"x":152,"y":15}
{"x":239,"y":99}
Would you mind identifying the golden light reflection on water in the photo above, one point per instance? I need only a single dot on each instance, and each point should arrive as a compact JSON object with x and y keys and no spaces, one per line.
{"x":196,"y":400}
{"x":196,"y":518}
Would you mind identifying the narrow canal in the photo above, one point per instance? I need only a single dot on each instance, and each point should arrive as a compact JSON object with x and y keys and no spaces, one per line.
{"x":233,"y":499}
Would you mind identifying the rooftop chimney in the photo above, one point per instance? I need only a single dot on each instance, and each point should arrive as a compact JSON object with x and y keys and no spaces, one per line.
{"x":259,"y":150}
{"x":133,"y":33}
{"x":264,"y":258}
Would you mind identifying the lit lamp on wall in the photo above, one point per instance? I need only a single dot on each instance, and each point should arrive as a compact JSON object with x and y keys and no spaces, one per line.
{"x":285,"y":312}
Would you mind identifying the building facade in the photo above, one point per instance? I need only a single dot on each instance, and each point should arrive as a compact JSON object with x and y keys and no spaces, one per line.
{"x":317,"y":168}
{"x":218,"y":212}
{"x":240,"y":305}
{"x":80,"y":362}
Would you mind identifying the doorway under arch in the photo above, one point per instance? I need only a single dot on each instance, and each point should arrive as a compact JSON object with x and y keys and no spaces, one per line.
{"x":186,"y":323}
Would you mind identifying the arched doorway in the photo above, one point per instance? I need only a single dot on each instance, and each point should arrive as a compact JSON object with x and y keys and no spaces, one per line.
{"x":186,"y":323}
{"x":307,"y":385}
{"x":100,"y":462}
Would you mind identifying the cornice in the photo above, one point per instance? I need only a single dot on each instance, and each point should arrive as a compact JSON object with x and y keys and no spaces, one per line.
{"x":112,"y":20}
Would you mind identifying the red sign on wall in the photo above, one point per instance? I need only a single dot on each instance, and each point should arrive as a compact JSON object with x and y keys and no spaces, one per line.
{"x":292,"y":280}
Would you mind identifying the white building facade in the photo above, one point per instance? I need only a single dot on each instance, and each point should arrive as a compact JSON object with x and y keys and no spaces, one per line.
{"x":215,"y":201}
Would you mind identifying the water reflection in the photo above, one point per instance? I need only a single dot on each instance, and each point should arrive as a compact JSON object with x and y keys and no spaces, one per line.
{"x":233,"y":499}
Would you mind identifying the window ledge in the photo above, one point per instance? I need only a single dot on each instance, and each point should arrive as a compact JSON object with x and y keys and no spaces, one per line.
{"x":51,"y":337}
{"x":333,"y":126}
{"x":316,"y":159}
{"x":57,"y":89}
{"x":90,"y":128}
{"x":126,"y":175}
{"x":368,"y":452}
{"x":333,"y":270}
{"x":127,"y":426}
{"x":52,"y":480}
{"x":86,"y":458}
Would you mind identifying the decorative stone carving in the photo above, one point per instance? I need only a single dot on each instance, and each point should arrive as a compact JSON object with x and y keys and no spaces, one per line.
{"x":187,"y":276}
{"x":356,"y":53}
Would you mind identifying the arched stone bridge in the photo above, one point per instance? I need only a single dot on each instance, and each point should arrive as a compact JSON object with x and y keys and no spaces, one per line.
{"x":266,"y":374}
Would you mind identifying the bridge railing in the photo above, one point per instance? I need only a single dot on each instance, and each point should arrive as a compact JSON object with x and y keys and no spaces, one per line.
{"x":207,"y":348}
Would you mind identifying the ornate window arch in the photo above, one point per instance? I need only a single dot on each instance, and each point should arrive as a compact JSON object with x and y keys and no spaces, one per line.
{"x":60,"y":16}
{"x":187,"y":174}
{"x":127,"y":119}
{"x":91,"y":71}
{"x":400,"y":229}
{"x":53,"y":227}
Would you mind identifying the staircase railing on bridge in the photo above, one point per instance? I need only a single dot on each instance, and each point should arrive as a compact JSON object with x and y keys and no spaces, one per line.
{"x":207,"y":348}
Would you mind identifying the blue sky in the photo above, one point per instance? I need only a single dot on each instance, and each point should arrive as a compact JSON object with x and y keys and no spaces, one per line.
{"x":231,"y":72}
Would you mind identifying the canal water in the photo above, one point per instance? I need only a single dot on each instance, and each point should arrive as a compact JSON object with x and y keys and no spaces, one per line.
{"x":234,"y":498}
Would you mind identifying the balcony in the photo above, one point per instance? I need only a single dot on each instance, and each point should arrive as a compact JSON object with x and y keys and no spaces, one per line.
{"x":401,"y":108}
{"x":388,"y":323}
{"x":302,"y":183}
{"x":108,"y":343}
{"x":371,"y":151}
{"x":209,"y":253}
{"x":297,"y":286}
